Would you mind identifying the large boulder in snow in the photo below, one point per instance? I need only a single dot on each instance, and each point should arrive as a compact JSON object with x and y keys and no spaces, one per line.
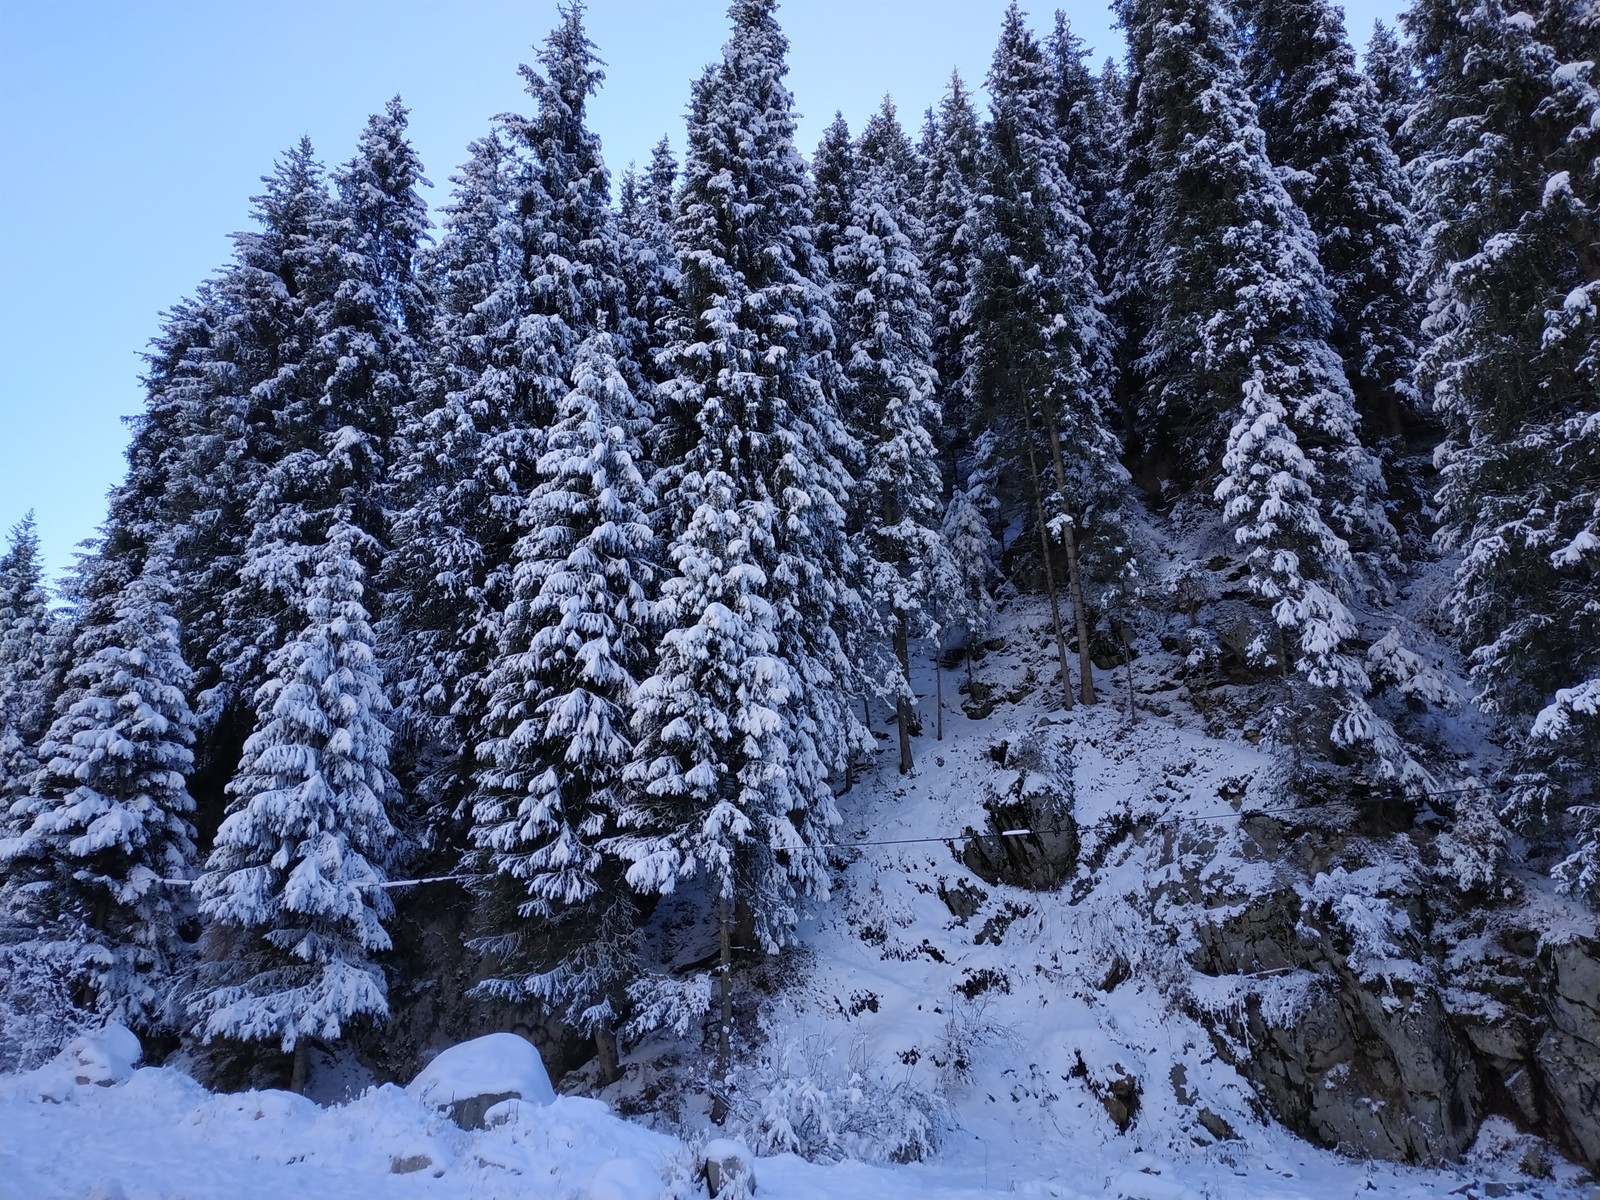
{"x":470,"y":1079}
{"x":1031,"y":838}
{"x":728,"y":1168}
{"x":103,"y":1058}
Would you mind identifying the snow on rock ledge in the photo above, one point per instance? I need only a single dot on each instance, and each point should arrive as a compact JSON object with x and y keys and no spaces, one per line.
{"x":473,"y":1077}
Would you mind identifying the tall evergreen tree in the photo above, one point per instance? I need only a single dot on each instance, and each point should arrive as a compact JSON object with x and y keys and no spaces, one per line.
{"x":1089,"y":131}
{"x":337,"y":406}
{"x":576,"y":639}
{"x":833,"y":174}
{"x":1038,"y":337}
{"x":1388,"y":65}
{"x":1324,"y":125}
{"x":949,"y":246}
{"x":885,"y":317}
{"x":293,"y":885}
{"x":650,"y":263}
{"x":530,"y":262}
{"x":110,"y":811}
{"x":24,"y":660}
{"x":742,"y":726}
{"x":1239,"y":377}
{"x":257,"y":368}
{"x":1509,"y":186}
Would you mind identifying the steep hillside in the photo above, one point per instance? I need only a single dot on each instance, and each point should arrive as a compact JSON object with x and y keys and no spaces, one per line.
{"x":1070,"y":945}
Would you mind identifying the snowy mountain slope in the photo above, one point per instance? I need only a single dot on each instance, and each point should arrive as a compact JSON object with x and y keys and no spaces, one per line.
{"x":1002,"y":1035}
{"x":1062,"y":1038}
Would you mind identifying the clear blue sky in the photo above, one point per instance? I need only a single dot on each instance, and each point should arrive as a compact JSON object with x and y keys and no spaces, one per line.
{"x":132,"y":134}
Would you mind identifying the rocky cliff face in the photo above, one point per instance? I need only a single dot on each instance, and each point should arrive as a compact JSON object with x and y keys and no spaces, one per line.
{"x":1413,"y":1015}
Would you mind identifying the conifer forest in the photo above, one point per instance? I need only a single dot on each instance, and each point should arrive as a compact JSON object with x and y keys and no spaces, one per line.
{"x":1067,"y":620}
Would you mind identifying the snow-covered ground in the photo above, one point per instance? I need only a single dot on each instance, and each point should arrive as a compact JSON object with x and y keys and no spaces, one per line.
{"x":989,"y":1041}
{"x":160,"y":1134}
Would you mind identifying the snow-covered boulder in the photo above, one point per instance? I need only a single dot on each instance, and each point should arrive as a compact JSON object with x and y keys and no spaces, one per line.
{"x":105,"y":1057}
{"x":625,"y":1179}
{"x":471,"y":1078}
{"x":729,"y":1169}
{"x":102,"y":1058}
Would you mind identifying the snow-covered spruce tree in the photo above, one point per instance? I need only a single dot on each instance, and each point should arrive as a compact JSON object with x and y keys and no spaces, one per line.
{"x":24,"y":662}
{"x":433,"y":580}
{"x":1298,"y":565}
{"x":1090,"y":134}
{"x":1508,"y":182}
{"x":833,"y":182}
{"x":336,"y":407}
{"x":1238,"y":376}
{"x":884,"y":321}
{"x":967,"y":601}
{"x":1230,"y":275}
{"x":292,"y":888}
{"x":649,"y":262}
{"x":1039,"y":341}
{"x":256,"y":367}
{"x":743,"y":725}
{"x":1323,"y":122}
{"x":110,"y":811}
{"x":1388,"y":64}
{"x":576,"y":637}
{"x":950,"y":178}
{"x":529,"y":262}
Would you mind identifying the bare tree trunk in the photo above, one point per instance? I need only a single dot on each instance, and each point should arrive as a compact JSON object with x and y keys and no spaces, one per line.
{"x":605,"y":1052}
{"x":1074,"y":576}
{"x":719,"y":1100}
{"x":1127,"y":663}
{"x":938,"y":698}
{"x":1049,"y":571}
{"x":300,"y":1072}
{"x":1289,"y":703}
{"x":903,"y":713}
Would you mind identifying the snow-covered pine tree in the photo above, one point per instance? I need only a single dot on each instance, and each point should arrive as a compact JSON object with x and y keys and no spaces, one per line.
{"x":576,"y":639}
{"x":743,"y":726}
{"x":1039,"y":341}
{"x":833,"y":182}
{"x":967,"y":601}
{"x":1508,"y":182}
{"x":433,"y":580}
{"x":110,"y":810}
{"x":649,"y":262}
{"x":257,"y":367}
{"x":884,"y":323}
{"x":885,"y":147}
{"x":1090,"y":135}
{"x":1238,"y":377}
{"x":950,"y":177}
{"x":529,"y":262}
{"x":1323,"y":122}
{"x":337,"y":405}
{"x":24,"y":662}
{"x":293,"y":886}
{"x":1388,"y":64}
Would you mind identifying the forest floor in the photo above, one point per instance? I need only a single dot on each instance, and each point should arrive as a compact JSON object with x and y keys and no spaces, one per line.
{"x":990,"y":1029}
